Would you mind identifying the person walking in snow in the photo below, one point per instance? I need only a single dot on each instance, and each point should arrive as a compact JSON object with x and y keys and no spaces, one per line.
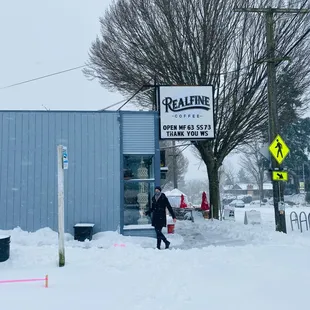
{"x":158,"y":212}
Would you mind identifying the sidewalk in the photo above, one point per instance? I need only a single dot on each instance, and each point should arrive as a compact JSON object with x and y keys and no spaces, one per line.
{"x":196,"y":235}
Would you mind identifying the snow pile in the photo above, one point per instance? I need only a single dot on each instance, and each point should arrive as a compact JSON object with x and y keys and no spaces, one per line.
{"x":298,"y":199}
{"x":212,"y":264}
{"x":257,"y":234}
{"x":174,"y":197}
{"x":104,"y":240}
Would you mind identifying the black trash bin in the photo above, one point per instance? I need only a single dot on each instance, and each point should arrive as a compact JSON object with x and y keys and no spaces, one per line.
{"x":83,"y":231}
{"x":4,"y":248}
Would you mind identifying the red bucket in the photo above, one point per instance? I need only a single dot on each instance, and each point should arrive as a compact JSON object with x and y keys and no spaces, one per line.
{"x":170,"y":228}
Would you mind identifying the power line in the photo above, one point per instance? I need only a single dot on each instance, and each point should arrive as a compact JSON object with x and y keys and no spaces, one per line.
{"x":112,"y":105}
{"x":272,"y":98}
{"x":135,"y":94}
{"x":68,"y":70}
{"x":183,"y":149}
{"x":43,"y":77}
{"x":171,"y":147}
{"x":72,"y":69}
{"x":297,"y":42}
{"x":220,"y":73}
{"x":79,"y":67}
{"x":292,"y":20}
{"x":119,"y":102}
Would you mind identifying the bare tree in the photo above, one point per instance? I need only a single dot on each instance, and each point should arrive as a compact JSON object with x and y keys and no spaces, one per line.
{"x":230,"y":175}
{"x":194,"y":190}
{"x":181,"y":163}
{"x":254,"y":163}
{"x":222,"y":176}
{"x":200,"y":42}
{"x":243,"y":176}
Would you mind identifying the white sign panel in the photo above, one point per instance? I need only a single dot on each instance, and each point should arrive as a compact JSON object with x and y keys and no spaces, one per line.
{"x":186,"y":112}
{"x":252,"y":217}
{"x":229,"y":213}
{"x":64,"y":157}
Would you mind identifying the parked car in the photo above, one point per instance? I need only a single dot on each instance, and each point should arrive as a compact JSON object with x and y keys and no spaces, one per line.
{"x":237,"y":203}
{"x":247,"y":199}
{"x":227,"y":201}
{"x":257,"y":203}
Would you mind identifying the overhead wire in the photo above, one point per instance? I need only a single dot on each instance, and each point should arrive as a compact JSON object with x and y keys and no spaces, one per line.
{"x":79,"y":67}
{"x":183,"y":149}
{"x":119,"y":102}
{"x":292,"y":20}
{"x":42,"y":77}
{"x":112,"y":105}
{"x":68,"y":70}
{"x":135,"y":94}
{"x":297,"y":42}
{"x":220,"y":73}
{"x":171,"y":147}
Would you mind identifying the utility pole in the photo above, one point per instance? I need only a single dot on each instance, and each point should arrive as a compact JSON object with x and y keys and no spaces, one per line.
{"x":174,"y":163}
{"x":272,"y":99}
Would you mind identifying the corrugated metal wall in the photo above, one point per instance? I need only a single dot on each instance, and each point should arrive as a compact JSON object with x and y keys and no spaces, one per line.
{"x":138,"y":133}
{"x":28,"y":169}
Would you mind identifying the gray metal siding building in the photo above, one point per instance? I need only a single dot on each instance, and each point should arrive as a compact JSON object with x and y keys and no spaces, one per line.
{"x":94,"y":182}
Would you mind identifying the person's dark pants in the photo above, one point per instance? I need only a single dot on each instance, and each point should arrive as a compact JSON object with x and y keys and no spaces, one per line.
{"x":160,"y":236}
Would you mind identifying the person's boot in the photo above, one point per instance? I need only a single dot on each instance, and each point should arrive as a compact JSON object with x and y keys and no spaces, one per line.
{"x":158,"y":244}
{"x":167,"y":243}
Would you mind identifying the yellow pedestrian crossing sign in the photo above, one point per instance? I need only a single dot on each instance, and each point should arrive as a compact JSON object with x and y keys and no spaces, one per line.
{"x":279,"y":149}
{"x":279,"y":175}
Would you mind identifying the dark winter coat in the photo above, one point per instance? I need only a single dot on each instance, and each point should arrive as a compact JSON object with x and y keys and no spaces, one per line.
{"x":158,"y":211}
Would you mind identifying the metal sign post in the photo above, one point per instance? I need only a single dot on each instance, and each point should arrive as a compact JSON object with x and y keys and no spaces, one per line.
{"x":62,"y":157}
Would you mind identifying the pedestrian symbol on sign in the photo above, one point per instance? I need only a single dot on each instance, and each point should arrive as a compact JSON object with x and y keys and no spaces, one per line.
{"x":279,"y":149}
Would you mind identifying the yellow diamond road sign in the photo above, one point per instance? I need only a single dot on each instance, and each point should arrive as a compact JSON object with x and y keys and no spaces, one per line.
{"x":279,"y":176}
{"x":279,"y":149}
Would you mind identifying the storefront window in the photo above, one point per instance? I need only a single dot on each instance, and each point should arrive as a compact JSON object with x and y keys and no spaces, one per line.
{"x":138,"y":188}
{"x":138,"y":167}
{"x":137,"y":199}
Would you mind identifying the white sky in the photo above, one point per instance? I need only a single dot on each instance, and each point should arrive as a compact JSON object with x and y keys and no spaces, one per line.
{"x":42,"y":37}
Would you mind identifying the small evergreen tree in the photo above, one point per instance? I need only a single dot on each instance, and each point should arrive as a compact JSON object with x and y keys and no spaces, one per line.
{"x":243,"y":177}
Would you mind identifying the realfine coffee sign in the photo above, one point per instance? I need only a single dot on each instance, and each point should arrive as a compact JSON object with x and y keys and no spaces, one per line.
{"x":186,"y":112}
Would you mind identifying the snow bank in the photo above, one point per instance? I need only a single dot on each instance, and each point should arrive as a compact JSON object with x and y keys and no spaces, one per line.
{"x":298,"y":199}
{"x":103,"y":240}
{"x":244,"y":267}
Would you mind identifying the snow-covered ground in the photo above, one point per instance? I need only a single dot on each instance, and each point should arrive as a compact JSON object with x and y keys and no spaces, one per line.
{"x":212,"y":265}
